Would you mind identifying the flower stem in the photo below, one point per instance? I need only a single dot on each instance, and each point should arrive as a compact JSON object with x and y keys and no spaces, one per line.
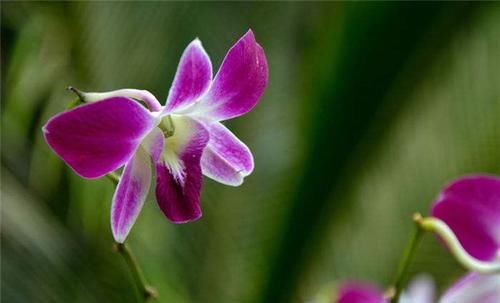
{"x":148,"y":293}
{"x":405,"y":260}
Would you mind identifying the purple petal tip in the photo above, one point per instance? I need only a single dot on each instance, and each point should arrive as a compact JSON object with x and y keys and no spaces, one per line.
{"x":249,"y":33}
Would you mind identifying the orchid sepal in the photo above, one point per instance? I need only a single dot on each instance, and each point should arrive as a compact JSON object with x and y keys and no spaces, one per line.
{"x":100,"y":137}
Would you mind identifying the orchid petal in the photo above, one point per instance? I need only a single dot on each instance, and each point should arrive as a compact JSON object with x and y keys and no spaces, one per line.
{"x":357,"y":292}
{"x":470,"y":206}
{"x":474,"y":288}
{"x":130,"y":194}
{"x":192,"y":78}
{"x":97,"y":138}
{"x":179,"y":172}
{"x":154,"y":143}
{"x":239,"y":83}
{"x":226,"y":159}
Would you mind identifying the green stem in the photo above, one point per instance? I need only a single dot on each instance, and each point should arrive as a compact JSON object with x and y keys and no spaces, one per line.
{"x":405,"y":260}
{"x":148,"y":293}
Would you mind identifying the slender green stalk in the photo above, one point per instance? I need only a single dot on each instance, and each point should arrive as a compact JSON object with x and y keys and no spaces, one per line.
{"x":148,"y":293}
{"x":409,"y":252}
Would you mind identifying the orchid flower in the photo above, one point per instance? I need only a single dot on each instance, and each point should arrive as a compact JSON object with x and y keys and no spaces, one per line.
{"x":466,"y":216}
{"x":179,"y":141}
{"x":472,"y":288}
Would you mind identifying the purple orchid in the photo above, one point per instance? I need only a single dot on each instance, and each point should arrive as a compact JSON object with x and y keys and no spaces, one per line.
{"x":183,"y":139}
{"x":472,"y":288}
{"x":466,"y":216}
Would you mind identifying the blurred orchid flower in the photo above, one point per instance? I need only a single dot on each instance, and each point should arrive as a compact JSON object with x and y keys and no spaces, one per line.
{"x":466,"y":216}
{"x":359,"y":292}
{"x":182,"y":139}
{"x":472,"y":288}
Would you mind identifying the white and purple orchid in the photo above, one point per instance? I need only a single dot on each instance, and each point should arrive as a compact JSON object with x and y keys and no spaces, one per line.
{"x":179,"y":141}
{"x":471,"y":288}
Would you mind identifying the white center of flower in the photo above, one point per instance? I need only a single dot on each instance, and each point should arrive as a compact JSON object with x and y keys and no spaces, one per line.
{"x":177,"y":132}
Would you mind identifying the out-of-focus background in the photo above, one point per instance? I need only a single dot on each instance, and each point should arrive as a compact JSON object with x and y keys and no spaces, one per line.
{"x":370,"y":109}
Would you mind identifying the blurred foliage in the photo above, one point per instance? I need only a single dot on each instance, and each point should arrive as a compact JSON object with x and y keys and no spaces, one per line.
{"x":370,"y":109}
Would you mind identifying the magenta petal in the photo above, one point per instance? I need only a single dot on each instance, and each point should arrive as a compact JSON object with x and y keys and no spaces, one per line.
{"x":239,"y":83}
{"x":179,"y":173}
{"x":474,"y":288}
{"x":357,"y":292}
{"x":226,"y":159}
{"x":192,"y":78}
{"x":130,"y":194}
{"x":470,"y":206}
{"x":97,"y":138}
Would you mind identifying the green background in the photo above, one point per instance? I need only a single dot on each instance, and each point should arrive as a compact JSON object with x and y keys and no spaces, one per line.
{"x":371,"y":108}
